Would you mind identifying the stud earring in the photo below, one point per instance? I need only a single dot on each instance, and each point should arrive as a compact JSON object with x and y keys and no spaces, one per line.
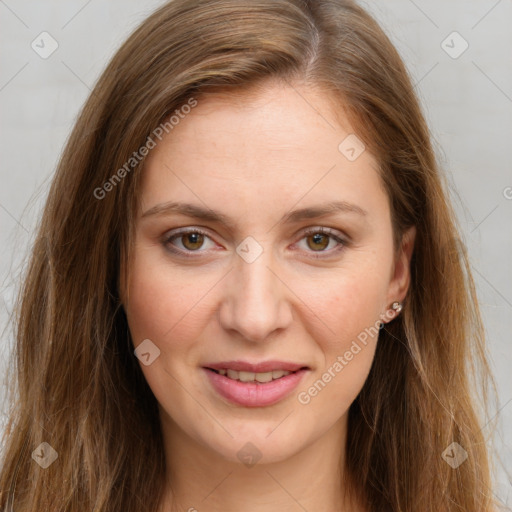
{"x":397,"y":306}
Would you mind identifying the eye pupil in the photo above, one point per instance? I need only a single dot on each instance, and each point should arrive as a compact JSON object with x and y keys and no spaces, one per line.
{"x":195,"y":239}
{"x":317,"y":239}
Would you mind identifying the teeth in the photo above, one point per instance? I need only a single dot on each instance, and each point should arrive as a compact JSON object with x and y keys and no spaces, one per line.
{"x":263,"y":377}
{"x":246,"y":376}
{"x":232,"y":374}
{"x":254,"y":377}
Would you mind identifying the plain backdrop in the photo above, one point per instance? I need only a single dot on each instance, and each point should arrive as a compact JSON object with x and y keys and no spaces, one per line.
{"x":459,"y":53}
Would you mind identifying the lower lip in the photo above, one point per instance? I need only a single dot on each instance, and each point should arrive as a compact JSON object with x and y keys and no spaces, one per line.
{"x":252,"y":394}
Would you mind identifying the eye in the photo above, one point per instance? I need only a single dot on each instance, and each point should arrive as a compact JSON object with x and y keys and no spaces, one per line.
{"x":185,"y":242}
{"x":190,"y":240}
{"x":319,"y":239}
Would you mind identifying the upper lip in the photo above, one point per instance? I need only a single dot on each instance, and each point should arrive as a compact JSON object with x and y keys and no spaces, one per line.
{"x":262,"y":367}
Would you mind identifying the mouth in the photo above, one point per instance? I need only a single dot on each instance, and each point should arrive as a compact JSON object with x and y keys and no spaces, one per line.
{"x":254,"y":385}
{"x":258,"y":378}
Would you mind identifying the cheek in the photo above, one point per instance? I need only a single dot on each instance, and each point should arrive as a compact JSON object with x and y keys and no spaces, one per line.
{"x":348,"y":304}
{"x":345,"y":302}
{"x":163,"y":305}
{"x":347,"y":352}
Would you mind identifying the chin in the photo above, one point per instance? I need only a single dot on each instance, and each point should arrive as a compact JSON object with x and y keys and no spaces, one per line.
{"x":259,"y":443}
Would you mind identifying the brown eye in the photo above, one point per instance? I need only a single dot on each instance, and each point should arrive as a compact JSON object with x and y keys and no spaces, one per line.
{"x":322,"y":242}
{"x":188,"y":242}
{"x":192,"y":241}
{"x":318,"y":241}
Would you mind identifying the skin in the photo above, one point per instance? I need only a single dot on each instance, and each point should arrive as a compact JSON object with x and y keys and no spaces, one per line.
{"x":254,"y":159}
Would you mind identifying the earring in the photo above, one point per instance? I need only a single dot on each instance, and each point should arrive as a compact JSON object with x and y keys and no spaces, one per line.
{"x":397,"y":306}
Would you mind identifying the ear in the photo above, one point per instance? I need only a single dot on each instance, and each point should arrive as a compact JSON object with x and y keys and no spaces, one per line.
{"x":401,"y":273}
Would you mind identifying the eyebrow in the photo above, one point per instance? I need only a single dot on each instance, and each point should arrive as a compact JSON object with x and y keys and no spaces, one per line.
{"x":200,"y":212}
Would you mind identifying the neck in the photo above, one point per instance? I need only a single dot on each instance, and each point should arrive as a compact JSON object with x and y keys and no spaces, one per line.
{"x":200,"y":479}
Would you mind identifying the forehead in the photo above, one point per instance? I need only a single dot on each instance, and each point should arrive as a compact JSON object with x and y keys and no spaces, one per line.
{"x":274,"y":116}
{"x":278,"y":143}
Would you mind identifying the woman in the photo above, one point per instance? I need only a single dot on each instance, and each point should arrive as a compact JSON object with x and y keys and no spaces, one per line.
{"x":248,"y":290}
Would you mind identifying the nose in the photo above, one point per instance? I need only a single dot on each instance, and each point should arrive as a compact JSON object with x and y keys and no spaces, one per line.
{"x":256,"y":300}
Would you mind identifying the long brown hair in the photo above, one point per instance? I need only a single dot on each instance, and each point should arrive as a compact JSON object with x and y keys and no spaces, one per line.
{"x":77,"y":385}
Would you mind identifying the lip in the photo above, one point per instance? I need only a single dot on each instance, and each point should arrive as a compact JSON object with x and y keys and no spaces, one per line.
{"x":252,"y":394}
{"x":262,"y":367}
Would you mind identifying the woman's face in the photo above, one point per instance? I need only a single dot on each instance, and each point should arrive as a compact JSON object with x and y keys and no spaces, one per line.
{"x":231,"y":271}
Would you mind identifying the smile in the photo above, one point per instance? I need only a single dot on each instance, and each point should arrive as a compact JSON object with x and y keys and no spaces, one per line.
{"x":251,"y":376}
{"x":254,"y":388}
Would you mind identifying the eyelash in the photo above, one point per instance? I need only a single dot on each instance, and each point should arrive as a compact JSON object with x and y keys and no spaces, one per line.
{"x":310,"y":231}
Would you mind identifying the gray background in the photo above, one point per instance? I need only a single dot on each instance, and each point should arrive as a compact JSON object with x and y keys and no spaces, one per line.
{"x":467,"y":101}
